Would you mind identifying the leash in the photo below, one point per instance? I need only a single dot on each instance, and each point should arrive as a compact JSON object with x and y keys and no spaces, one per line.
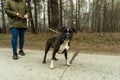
{"x":53,"y":30}
{"x":73,"y":58}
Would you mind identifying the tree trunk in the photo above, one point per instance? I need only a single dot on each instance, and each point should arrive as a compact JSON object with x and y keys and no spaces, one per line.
{"x":54,"y":19}
{"x":3,"y":18}
{"x":48,"y":10}
{"x":112,"y":27}
{"x":44,"y":15}
{"x":71,"y":14}
{"x":78,"y":14}
{"x":30,"y":17}
{"x":60,"y":19}
{"x":36,"y":21}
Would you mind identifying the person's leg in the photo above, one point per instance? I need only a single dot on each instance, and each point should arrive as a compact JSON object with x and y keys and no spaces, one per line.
{"x":21,"y":41}
{"x":14,"y":32}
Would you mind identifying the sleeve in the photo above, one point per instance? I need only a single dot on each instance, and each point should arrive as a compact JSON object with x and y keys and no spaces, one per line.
{"x":7,"y":9}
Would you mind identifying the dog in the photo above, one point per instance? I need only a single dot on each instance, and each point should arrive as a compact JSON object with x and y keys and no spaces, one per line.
{"x":60,"y":44}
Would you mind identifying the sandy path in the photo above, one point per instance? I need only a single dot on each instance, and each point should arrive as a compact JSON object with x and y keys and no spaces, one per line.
{"x":84,"y":67}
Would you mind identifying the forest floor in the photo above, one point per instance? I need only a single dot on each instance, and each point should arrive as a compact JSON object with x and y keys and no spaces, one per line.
{"x":108,"y":43}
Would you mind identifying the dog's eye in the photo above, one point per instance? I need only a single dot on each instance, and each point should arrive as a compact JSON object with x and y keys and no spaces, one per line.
{"x":65,"y":31}
{"x":70,"y":31}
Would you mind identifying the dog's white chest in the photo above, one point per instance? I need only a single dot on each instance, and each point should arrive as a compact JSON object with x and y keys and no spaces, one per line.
{"x":64,"y":46}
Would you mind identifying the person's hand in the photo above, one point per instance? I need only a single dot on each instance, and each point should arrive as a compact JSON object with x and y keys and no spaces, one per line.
{"x":25,"y":16}
{"x":19,"y":15}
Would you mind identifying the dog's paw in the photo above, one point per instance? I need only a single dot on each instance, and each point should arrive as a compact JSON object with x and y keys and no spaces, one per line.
{"x":44,"y":62}
{"x":68,"y":65}
{"x":52,"y":67}
{"x":52,"y":64}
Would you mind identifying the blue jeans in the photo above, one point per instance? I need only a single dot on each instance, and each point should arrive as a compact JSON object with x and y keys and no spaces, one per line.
{"x":15,"y":33}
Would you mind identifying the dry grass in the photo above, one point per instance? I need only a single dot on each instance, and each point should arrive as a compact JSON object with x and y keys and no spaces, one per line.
{"x":84,"y":42}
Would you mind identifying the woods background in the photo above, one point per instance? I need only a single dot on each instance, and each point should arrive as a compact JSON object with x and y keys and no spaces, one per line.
{"x":84,"y":15}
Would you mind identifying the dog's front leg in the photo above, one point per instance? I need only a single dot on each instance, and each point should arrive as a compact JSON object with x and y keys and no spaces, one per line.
{"x":53,"y":59}
{"x":52,"y":64}
{"x":66,"y":59}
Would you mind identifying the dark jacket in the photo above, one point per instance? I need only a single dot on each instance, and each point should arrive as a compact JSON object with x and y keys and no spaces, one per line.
{"x":12,"y":7}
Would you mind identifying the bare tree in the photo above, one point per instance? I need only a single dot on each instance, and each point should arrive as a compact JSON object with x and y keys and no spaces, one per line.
{"x":60,"y":10}
{"x":35,"y":11}
{"x":78,"y":14}
{"x":3,"y":18}
{"x":53,"y":14}
{"x":44,"y":21}
{"x":99,"y":16}
{"x":31,"y":17}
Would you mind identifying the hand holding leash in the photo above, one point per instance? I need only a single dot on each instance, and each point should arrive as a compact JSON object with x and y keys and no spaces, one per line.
{"x":18,"y":15}
{"x":25,"y":16}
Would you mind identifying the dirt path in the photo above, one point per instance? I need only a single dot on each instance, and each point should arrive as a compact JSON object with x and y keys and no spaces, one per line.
{"x":84,"y":67}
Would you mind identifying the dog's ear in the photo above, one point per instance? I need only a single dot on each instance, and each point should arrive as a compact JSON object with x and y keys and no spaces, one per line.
{"x":73,"y":30}
{"x":62,"y":29}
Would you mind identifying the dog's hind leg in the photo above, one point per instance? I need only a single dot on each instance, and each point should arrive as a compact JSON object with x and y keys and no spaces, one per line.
{"x":46,"y":51}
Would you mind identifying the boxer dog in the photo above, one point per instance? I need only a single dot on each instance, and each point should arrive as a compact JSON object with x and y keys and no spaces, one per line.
{"x":60,"y":44}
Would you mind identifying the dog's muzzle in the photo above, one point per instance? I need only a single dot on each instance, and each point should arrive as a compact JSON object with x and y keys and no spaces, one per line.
{"x":68,"y":36}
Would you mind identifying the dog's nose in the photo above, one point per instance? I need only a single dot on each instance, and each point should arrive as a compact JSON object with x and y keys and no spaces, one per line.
{"x":68,"y":35}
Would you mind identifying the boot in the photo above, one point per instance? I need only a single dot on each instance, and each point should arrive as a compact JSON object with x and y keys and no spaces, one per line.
{"x":15,"y":56}
{"x":21,"y":53}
